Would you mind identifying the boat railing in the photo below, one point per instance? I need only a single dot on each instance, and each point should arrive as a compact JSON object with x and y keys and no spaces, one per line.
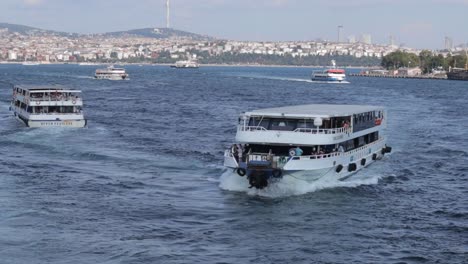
{"x":302,"y":130}
{"x":72,"y":98}
{"x":324,"y":130}
{"x":252,"y":128}
{"x":336,"y":153}
{"x":54,"y":113}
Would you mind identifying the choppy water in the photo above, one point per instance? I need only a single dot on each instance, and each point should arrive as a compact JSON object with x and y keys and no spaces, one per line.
{"x":145,"y":183}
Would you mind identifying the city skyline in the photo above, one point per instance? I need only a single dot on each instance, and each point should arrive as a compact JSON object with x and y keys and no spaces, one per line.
{"x":276,"y":20}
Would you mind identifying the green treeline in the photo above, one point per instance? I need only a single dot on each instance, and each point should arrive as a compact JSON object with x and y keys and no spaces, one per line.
{"x":263,"y":59}
{"x":426,"y":59}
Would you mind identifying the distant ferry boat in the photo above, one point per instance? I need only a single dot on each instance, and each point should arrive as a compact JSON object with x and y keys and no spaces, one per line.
{"x":307,"y":142}
{"x":459,"y":73}
{"x":185,"y":64}
{"x":329,"y":75}
{"x":111,"y":73}
{"x":44,"y":106}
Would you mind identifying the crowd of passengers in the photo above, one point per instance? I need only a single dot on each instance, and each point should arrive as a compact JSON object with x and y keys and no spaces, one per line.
{"x":54,"y":96}
{"x":240,"y":151}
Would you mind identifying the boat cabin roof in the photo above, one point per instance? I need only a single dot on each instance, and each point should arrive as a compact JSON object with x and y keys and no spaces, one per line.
{"x":43,"y":89}
{"x":314,"y":110}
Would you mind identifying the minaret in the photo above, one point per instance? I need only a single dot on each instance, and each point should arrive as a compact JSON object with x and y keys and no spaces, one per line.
{"x":168,"y":25}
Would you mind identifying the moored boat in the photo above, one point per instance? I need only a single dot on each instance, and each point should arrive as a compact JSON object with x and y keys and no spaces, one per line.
{"x":307,"y":142}
{"x":111,"y":73}
{"x":48,"y":106}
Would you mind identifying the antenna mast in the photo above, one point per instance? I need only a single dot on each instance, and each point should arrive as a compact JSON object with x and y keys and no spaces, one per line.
{"x":168,"y":25}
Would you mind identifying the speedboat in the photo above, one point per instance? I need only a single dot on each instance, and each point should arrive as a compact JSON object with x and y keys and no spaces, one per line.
{"x":47,"y":106}
{"x":307,"y":142}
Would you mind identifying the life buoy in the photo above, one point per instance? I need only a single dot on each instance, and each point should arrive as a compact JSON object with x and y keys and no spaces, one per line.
{"x":292,"y":152}
{"x":74,"y":101}
{"x":38,"y":102}
{"x":277,"y":173}
{"x":241,"y":172}
{"x":339,"y":168}
{"x":378,"y":121}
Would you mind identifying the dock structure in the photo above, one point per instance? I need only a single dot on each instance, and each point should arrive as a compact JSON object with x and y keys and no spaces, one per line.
{"x":432,"y":77}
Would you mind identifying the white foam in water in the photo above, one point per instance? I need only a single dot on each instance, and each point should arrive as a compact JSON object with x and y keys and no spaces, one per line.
{"x":290,"y":186}
{"x":290,"y":79}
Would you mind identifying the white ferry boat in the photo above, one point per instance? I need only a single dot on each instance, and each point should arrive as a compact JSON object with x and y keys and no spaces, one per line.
{"x":185,"y":65}
{"x":111,"y":73}
{"x":307,"y":142}
{"x":45,"y":106}
{"x":330,"y":75}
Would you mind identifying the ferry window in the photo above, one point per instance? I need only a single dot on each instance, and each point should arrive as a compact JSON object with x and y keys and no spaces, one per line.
{"x":305,"y":124}
{"x":259,"y":121}
{"x":283,"y":124}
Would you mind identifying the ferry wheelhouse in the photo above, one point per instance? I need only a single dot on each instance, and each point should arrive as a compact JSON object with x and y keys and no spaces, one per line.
{"x":45,"y":106}
{"x":329,"y":75}
{"x":185,"y":65}
{"x":111,"y":73}
{"x":307,"y":142}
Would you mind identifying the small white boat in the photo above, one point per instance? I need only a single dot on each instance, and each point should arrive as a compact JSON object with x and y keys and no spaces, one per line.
{"x":186,"y":65}
{"x":46,"y":106}
{"x":307,"y":142}
{"x":329,"y":75}
{"x":111,"y":73}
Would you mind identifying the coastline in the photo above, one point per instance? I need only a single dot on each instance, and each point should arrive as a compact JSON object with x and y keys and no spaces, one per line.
{"x":201,"y":65}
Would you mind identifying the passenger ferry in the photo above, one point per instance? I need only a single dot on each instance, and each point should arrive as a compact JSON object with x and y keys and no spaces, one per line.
{"x":307,"y":142}
{"x":111,"y":73}
{"x":45,"y":106}
{"x":330,"y":75}
{"x":185,"y":65}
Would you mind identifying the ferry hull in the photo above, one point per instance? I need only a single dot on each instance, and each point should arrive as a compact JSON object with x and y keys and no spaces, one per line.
{"x":74,"y":123}
{"x":339,"y":167}
{"x":111,"y":77}
{"x":61,"y":123}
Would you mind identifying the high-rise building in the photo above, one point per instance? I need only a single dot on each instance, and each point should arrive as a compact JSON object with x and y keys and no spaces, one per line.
{"x":366,"y":38}
{"x":391,"y":40}
{"x":448,"y":43}
{"x":340,"y":33}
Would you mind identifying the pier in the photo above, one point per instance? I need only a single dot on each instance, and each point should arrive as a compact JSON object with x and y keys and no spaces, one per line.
{"x":399,"y":76}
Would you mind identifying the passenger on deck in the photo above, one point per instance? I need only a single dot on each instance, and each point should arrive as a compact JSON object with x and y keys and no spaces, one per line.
{"x":298,"y":151}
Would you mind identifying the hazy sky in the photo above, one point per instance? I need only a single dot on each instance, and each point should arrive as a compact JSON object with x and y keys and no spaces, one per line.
{"x":417,"y":23}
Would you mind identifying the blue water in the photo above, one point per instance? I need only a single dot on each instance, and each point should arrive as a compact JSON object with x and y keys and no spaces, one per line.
{"x":145,"y":182}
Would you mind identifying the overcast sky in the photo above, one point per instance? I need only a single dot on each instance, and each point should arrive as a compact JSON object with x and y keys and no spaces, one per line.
{"x":417,"y":23}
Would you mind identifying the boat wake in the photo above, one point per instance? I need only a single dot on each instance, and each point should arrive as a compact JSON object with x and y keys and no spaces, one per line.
{"x":264,"y":77}
{"x":334,"y":82}
{"x":289,"y":186}
{"x":289,"y":79}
